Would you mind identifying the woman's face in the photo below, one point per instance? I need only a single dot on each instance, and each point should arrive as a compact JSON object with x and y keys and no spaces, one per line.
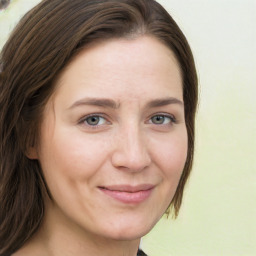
{"x":113,"y":139}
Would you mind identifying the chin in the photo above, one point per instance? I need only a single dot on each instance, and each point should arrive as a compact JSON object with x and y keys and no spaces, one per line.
{"x":130,"y":231}
{"x":129,"y":235}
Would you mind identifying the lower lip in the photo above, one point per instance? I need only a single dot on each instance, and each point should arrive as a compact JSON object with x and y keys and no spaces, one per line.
{"x":127,"y":197}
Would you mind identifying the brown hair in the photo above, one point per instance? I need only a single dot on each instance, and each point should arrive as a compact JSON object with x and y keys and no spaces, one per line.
{"x":41,"y":45}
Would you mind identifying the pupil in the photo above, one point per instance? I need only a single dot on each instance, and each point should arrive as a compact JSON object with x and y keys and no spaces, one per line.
{"x":93,"y":120}
{"x":158,"y":119}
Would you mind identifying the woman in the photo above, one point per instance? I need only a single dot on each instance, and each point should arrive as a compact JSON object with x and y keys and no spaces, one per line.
{"x":98,"y":101}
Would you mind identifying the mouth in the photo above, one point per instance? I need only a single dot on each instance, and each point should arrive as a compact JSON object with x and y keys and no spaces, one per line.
{"x":128,"y":194}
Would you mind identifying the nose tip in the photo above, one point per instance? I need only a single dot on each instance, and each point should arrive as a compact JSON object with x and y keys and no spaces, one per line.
{"x":131,"y":153}
{"x":130,"y":161}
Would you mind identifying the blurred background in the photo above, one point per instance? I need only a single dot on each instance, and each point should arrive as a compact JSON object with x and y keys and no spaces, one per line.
{"x":218,"y":215}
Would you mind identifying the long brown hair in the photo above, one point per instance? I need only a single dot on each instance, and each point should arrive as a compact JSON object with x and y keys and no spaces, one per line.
{"x":41,"y":45}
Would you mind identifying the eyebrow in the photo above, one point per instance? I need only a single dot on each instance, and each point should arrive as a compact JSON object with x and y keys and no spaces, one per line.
{"x":163,"y":102}
{"x":96,"y":102}
{"x":102,"y":102}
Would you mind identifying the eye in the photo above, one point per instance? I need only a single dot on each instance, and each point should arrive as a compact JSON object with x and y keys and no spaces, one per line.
{"x":162,"y":119}
{"x":94,"y":120}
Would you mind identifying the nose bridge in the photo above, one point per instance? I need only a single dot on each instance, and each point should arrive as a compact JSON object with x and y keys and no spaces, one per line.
{"x":131,"y":151}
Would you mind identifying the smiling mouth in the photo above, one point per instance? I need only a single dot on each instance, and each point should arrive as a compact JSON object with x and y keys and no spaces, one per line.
{"x":128,"y":194}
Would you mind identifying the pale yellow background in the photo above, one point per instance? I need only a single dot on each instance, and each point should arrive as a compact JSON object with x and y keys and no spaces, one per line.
{"x":218,"y":216}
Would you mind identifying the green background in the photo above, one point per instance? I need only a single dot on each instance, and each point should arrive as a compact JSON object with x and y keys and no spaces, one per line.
{"x":218,"y":215}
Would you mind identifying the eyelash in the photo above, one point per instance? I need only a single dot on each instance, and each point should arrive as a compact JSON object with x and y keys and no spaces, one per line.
{"x":84,"y":120}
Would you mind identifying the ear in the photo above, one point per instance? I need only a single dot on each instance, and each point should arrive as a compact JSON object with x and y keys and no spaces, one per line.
{"x":31,"y":153}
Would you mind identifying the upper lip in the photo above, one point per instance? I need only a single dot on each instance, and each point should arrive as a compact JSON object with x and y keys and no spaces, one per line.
{"x":128,"y":188}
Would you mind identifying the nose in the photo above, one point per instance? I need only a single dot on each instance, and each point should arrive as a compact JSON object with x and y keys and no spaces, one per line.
{"x":130,"y":150}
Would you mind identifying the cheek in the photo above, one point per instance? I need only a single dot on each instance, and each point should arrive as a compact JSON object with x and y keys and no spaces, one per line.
{"x":70,"y":165}
{"x":170,"y":157}
{"x":169,"y":152}
{"x":177,"y":154}
{"x":74,"y":157}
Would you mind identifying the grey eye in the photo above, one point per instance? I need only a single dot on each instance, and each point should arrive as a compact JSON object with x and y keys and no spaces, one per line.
{"x":158,"y":119}
{"x":162,"y":119}
{"x":93,"y":120}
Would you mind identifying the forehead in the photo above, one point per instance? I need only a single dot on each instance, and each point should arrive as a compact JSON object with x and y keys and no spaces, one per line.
{"x":123,"y":66}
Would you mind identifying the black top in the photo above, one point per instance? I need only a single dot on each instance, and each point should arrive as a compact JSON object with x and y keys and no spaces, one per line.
{"x":141,"y":253}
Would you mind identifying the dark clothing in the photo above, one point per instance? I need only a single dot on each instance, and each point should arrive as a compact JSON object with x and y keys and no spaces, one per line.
{"x":141,"y":253}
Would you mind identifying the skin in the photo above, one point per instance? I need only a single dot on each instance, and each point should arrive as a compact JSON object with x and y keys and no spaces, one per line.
{"x":137,"y":136}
